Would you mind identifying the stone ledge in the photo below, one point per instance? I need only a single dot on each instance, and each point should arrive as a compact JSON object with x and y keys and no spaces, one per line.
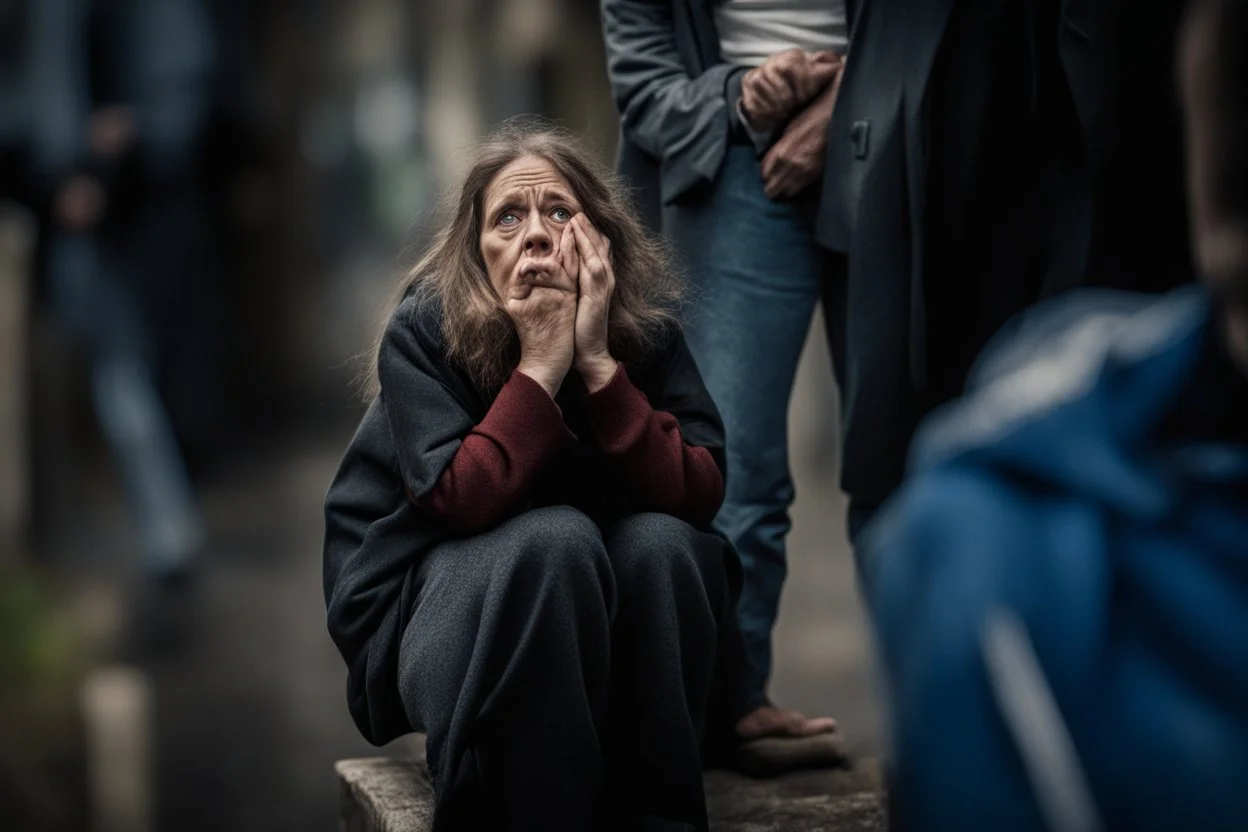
{"x":381,"y":794}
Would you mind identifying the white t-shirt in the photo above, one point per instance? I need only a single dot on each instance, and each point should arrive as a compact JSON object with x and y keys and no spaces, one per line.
{"x":752,"y":30}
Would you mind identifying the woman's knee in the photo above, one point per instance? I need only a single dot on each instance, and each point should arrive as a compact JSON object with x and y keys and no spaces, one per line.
{"x":650,"y":547}
{"x":557,"y":546}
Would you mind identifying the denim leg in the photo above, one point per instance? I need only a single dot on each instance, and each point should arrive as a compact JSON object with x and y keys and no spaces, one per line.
{"x":93,"y":301}
{"x":756,"y":273}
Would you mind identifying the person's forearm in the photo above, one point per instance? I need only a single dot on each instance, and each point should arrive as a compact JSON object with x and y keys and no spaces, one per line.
{"x":499,"y":461}
{"x":666,"y":474}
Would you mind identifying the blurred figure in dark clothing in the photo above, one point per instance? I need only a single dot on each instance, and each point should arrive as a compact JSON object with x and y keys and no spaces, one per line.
{"x":984,"y":155}
{"x":1061,"y":589}
{"x":105,"y":104}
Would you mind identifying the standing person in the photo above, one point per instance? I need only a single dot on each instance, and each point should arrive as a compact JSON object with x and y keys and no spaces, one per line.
{"x":1060,"y":588}
{"x":724,"y":108}
{"x":986,"y":154}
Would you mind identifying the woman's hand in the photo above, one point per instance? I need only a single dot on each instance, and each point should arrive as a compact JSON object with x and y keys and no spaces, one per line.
{"x":543,"y":306}
{"x":596,"y":284}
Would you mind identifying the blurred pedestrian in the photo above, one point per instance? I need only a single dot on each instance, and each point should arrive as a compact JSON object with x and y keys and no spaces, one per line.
{"x":1060,"y":589}
{"x":724,"y":109}
{"x":104,"y":124}
{"x":984,"y":155}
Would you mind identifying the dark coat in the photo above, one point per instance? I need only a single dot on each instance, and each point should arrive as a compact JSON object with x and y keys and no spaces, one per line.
{"x":676,"y":98}
{"x":1118,"y":57}
{"x":375,"y":536}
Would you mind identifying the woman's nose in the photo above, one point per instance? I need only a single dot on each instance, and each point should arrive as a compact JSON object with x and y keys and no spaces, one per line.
{"x":537,"y":240}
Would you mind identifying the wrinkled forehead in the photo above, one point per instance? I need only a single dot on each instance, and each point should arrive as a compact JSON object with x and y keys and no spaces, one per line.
{"x":525,"y":178}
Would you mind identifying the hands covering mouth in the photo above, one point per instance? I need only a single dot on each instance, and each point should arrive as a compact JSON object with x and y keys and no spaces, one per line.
{"x":540,"y":273}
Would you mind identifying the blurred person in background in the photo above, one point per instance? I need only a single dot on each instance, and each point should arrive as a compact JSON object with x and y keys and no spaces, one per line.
{"x":984,"y":155}
{"x":105,"y":105}
{"x":724,"y":109}
{"x":1060,"y":589}
{"x":517,"y":553}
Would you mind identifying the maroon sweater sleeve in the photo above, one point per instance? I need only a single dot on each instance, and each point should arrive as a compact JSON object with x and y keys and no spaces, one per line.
{"x":666,"y":474}
{"x":499,"y":460}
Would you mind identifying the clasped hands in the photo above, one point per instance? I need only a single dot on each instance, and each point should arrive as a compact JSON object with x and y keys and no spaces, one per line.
{"x":560,"y":306}
{"x":797,"y":90}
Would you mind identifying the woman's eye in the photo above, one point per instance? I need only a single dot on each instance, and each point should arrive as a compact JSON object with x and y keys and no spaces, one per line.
{"x":562,"y":214}
{"x":508,"y":219}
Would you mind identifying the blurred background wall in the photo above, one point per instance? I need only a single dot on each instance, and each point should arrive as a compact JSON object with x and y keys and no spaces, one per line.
{"x":329,"y":129}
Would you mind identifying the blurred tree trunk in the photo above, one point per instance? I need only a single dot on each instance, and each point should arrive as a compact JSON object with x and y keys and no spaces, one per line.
{"x":489,"y":60}
{"x":456,"y":47}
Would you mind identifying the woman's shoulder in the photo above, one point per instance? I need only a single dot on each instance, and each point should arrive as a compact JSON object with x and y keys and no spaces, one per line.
{"x":417,"y":319}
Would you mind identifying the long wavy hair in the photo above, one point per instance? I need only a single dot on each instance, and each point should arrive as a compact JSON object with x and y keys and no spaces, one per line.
{"x":478,"y":336}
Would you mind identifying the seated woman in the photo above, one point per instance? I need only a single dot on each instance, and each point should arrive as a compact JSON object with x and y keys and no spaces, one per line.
{"x":517,"y":559}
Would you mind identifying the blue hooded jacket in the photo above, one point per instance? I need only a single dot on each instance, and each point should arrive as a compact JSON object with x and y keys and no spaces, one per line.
{"x":1060,"y":591}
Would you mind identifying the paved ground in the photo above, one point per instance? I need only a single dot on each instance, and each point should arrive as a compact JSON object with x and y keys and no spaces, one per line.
{"x":247,"y":691}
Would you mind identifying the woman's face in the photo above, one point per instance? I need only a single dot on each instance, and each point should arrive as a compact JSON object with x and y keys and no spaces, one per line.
{"x":526,"y":209}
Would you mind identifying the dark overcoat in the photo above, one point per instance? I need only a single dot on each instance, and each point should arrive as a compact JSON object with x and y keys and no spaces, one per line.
{"x":1118,"y":56}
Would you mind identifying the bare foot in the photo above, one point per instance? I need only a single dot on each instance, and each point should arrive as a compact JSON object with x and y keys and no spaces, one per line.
{"x":772,"y":721}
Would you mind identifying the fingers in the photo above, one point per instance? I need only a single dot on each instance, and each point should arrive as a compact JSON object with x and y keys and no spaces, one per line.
{"x":594,"y":249}
{"x":767,"y":95}
{"x":783,"y":180}
{"x":785,"y":61}
{"x":583,"y":228}
{"x":781,"y":97}
{"x":812,"y":74}
{"x":786,"y":184}
{"x":569,"y":257}
{"x":822,"y":74}
{"x":776,"y":170}
{"x":772,"y":188}
{"x":773,"y":83}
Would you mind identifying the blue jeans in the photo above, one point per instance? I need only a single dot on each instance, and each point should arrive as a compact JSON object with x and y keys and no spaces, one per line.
{"x":757,"y":274}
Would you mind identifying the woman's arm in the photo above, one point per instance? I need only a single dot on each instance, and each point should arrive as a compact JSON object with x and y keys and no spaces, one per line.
{"x":469,"y":475}
{"x":666,"y":473}
{"x":500,"y":459}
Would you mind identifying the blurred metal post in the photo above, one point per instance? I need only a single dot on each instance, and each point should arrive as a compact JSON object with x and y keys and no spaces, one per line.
{"x":455,"y":118}
{"x":549,"y":54}
{"x":117,"y":711}
{"x":16,"y":244}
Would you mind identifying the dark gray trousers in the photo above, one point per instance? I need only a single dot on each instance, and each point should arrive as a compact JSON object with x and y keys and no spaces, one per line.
{"x":562,"y":671}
